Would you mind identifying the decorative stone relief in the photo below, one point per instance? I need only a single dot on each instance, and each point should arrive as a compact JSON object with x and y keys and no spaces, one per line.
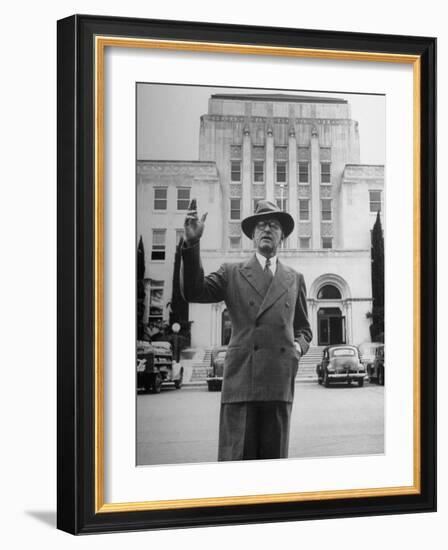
{"x":304,"y":191}
{"x":325,"y":154}
{"x":304,"y":229}
{"x":234,"y":229}
{"x":235,"y":190}
{"x":326,"y":229}
{"x":235,"y":152}
{"x":278,"y":120}
{"x":258,"y":191}
{"x":206,"y":169}
{"x":279,"y":193}
{"x":258,"y":152}
{"x":363,"y":171}
{"x":325,"y":191}
{"x":303,"y":153}
{"x":281,"y":153}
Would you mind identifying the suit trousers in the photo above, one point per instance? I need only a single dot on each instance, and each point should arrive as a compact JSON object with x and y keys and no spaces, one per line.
{"x":254,"y":430}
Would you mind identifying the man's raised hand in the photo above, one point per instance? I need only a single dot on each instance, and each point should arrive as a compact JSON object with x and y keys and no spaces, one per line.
{"x":193,"y":226}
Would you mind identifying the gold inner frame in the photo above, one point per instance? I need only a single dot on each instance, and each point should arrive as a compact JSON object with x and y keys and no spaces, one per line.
{"x":101,"y":42}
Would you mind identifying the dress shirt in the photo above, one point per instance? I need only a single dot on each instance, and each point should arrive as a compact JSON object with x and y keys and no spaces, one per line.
{"x":262,"y":260}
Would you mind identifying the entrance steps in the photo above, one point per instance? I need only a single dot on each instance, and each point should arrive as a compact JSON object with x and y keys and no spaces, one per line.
{"x":201,"y":364}
{"x":307,"y":368}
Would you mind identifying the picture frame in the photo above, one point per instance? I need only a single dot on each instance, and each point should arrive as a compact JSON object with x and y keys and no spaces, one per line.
{"x":82,"y":238}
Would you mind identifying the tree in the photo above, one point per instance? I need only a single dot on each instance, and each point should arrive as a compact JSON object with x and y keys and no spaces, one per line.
{"x":377,"y":252}
{"x":141,"y":294}
{"x":179,"y":307}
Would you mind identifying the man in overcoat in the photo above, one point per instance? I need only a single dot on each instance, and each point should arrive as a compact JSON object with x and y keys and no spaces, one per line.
{"x":266,"y":301}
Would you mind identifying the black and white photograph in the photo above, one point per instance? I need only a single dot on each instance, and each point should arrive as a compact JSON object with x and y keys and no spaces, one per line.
{"x":260,"y":240}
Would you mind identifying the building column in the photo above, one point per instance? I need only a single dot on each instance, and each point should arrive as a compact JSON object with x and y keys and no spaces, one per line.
{"x":348,"y":322}
{"x":246,"y":184}
{"x":315,"y":190}
{"x":312,"y":318}
{"x":269,"y":175}
{"x":215,"y":325}
{"x":293,"y":205}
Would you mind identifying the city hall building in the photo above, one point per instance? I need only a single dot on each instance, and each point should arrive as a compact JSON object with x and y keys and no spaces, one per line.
{"x":302,"y":153}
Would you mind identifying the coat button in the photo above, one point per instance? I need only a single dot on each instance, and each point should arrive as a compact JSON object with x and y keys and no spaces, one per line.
{"x":282,"y":350}
{"x":251,"y":302}
{"x":255,"y":348}
{"x":287,"y":304}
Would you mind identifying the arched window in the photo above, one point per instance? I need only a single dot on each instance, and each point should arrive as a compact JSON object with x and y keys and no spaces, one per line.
{"x":329,"y":292}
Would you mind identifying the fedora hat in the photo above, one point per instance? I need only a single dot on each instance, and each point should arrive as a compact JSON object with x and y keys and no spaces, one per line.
{"x":267,"y":210}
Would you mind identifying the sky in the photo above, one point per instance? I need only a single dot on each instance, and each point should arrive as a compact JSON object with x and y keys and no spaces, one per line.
{"x":168,"y":119}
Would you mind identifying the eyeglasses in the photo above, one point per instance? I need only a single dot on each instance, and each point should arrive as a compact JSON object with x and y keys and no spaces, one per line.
{"x":273,"y":224}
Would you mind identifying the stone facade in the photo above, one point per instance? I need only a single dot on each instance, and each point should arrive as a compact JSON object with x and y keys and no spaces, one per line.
{"x":299,"y":151}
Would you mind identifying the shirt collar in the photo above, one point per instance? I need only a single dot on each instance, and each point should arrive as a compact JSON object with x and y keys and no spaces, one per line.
{"x":262,"y":261}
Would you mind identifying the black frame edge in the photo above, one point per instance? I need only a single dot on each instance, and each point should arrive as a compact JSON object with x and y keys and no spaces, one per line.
{"x":67,"y":491}
{"x":76,"y":444}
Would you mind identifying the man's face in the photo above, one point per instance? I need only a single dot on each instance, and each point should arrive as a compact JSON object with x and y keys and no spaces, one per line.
{"x":267,"y":236}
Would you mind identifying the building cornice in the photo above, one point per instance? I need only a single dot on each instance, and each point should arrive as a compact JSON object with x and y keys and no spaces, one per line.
{"x":279,"y":120}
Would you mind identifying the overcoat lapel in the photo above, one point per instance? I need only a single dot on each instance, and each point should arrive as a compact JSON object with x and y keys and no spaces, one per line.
{"x":279,"y":285}
{"x":253,"y":274}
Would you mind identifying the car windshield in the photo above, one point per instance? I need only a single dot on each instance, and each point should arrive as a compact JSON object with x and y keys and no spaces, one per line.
{"x":344,"y":352}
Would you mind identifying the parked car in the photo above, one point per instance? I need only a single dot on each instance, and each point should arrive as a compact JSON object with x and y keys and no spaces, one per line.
{"x":216,"y":369}
{"x":341,"y":363}
{"x":375,"y":367}
{"x":155,"y":366}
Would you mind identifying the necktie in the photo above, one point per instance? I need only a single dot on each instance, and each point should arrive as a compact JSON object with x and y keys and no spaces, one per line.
{"x":267,"y":270}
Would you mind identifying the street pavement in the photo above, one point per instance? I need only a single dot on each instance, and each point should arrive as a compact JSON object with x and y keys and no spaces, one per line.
{"x":181,"y":426}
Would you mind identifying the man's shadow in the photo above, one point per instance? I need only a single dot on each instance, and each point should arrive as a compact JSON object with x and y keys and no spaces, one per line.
{"x":44,"y":516}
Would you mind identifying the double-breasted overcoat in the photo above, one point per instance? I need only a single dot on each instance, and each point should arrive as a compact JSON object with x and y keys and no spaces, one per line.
{"x":261,"y":361}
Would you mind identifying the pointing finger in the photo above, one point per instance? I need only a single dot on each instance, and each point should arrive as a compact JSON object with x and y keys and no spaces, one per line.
{"x":204,"y":217}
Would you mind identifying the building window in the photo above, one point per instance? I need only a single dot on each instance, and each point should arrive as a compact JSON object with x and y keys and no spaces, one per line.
{"x":325,"y":172}
{"x":235,"y":171}
{"x":183,"y":198}
{"x":155,"y":316}
{"x":327,"y":242}
{"x":235,"y":242}
{"x":258,"y":171}
{"x":304,"y":209}
{"x":284,"y":243}
{"x":179,"y":235}
{"x":375,"y":201}
{"x":304,"y":242}
{"x":160,"y":198}
{"x":235,"y":209}
{"x":158,"y":244}
{"x":282,"y":204}
{"x":303,"y":172}
{"x":329,"y":292}
{"x":326,"y":210}
{"x":280,"y":172}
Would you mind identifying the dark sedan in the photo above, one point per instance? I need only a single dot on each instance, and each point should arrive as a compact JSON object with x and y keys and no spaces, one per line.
{"x":215,"y":372}
{"x":341,"y":364}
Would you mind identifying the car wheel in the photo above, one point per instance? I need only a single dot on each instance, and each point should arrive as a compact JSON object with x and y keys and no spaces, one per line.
{"x":381,"y":376}
{"x":178,"y":382}
{"x":326,"y":382}
{"x":157,"y":384}
{"x":361,"y":382}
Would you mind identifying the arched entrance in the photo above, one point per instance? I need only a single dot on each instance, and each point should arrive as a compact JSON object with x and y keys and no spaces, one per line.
{"x":226,"y":328}
{"x":331,"y":326}
{"x":330,"y":310}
